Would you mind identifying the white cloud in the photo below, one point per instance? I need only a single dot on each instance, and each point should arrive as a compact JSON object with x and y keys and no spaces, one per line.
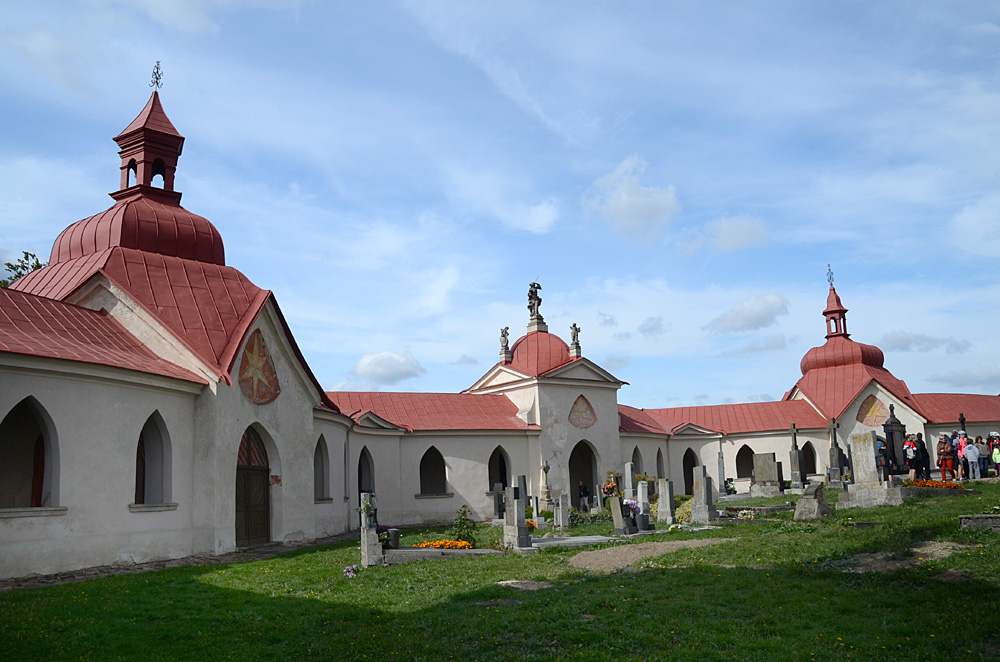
{"x":500,"y":196}
{"x":908,"y":341}
{"x":388,"y":367}
{"x":615,"y":362}
{"x":605,"y":319}
{"x":651,"y":327}
{"x":977,"y":227}
{"x":979,"y":377}
{"x":465,"y":359}
{"x":641,"y":212}
{"x":765,"y":344}
{"x":734,"y":233}
{"x":757,"y":312}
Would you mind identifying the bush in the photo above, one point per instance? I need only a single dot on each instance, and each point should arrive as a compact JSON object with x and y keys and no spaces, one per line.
{"x":547,"y":514}
{"x":683,"y":513}
{"x":490,"y":537}
{"x":576,"y":517}
{"x":463,"y":528}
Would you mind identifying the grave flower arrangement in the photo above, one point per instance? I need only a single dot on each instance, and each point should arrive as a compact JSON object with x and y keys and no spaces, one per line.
{"x":445,"y":544}
{"x":745,"y":514}
{"x":941,"y":484}
{"x":351,"y":571}
{"x":632,"y":505}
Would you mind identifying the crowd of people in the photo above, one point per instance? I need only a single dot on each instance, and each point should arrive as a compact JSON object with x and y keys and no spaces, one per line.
{"x":961,"y":457}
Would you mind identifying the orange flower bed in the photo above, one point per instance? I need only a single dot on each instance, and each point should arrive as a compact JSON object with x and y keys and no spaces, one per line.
{"x":942,"y":484}
{"x":446,"y":544}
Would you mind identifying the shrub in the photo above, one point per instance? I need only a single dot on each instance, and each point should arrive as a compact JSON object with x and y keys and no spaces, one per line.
{"x":490,"y":537}
{"x":683,"y":513}
{"x":547,"y":514}
{"x":463,"y":528}
{"x":576,"y":517}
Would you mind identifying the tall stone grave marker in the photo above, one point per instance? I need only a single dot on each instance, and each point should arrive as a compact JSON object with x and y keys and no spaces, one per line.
{"x":702,"y":508}
{"x":795,"y":461}
{"x":562,"y":511}
{"x":836,"y":454}
{"x":629,"y":478}
{"x":522,"y":489}
{"x":767,"y":480}
{"x":371,"y":548}
{"x":515,"y":530}
{"x":597,"y":499}
{"x":665,"y":502}
{"x":643,"y":499}
{"x":498,"y":506}
{"x":544,"y":493}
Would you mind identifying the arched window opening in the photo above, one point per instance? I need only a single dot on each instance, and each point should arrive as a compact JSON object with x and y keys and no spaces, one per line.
{"x":131,"y":173}
{"x":661,"y":472}
{"x":690,"y":462}
{"x":808,"y":458}
{"x":744,"y":462}
{"x":499,"y":469}
{"x":366,"y":472}
{"x":159,"y":170}
{"x":637,"y":461}
{"x":432,"y":473}
{"x":26,"y":462}
{"x":321,"y":471}
{"x":152,"y":463}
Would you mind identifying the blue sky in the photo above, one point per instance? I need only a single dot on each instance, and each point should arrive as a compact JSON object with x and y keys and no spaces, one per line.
{"x":676,"y":175}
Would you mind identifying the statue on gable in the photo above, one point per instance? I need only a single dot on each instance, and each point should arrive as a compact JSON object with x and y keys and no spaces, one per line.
{"x":534,"y":301}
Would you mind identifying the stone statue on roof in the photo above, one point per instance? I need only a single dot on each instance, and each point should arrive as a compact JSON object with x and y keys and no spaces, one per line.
{"x":574,"y":334}
{"x":504,"y":341}
{"x":534,"y":301}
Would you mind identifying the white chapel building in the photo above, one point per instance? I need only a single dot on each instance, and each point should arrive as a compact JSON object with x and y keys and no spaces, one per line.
{"x":154,"y":404}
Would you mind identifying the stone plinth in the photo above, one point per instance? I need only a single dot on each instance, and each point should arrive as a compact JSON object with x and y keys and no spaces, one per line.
{"x":665,"y":502}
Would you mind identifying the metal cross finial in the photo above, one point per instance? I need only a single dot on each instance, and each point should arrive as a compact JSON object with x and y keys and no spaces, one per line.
{"x":157,"y":80}
{"x":829,"y":275}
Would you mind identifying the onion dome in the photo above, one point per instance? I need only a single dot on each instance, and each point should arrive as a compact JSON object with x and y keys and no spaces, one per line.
{"x":839,"y":349}
{"x":538,"y":353}
{"x":145,"y":217}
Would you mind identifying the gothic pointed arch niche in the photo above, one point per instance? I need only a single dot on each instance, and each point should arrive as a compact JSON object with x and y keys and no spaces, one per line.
{"x":153,"y":464}
{"x":321,"y":471}
{"x":499,"y":468}
{"x":253,"y":491}
{"x":637,"y":461}
{"x":661,"y":472}
{"x":433,"y":479}
{"x":366,"y":472}
{"x":689,"y":463}
{"x":744,"y":462}
{"x":808,"y":458}
{"x":583,"y":463}
{"x":29,"y":459}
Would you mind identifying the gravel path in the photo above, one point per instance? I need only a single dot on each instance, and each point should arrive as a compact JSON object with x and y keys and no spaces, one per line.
{"x":612,"y":558}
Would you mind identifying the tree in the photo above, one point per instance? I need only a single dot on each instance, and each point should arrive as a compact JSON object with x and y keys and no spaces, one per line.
{"x":27,"y":263}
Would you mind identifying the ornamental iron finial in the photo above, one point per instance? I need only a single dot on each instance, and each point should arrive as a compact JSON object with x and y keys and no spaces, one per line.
{"x":829,"y":275}
{"x":157,"y":80}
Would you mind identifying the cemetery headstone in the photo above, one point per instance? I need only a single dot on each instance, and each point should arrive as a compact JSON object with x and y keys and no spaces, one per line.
{"x":795,"y":461}
{"x":702,"y":508}
{"x":522,"y":488}
{"x":836,"y":455}
{"x":766,"y":476}
{"x":720,"y":487}
{"x":597,"y":500}
{"x":498,"y":501}
{"x":544,"y":492}
{"x":562,"y":508}
{"x":371,"y":548}
{"x":665,"y":502}
{"x":515,"y":530}
{"x":624,"y":522}
{"x":643,"y":498}
{"x":867,"y":490}
{"x":813,"y":503}
{"x":629,"y":478}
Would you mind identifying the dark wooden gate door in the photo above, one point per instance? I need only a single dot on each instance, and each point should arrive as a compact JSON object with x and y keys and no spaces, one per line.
{"x":253,"y":498}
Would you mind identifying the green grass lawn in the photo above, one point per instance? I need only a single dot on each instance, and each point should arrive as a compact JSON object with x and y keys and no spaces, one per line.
{"x":781,"y":592}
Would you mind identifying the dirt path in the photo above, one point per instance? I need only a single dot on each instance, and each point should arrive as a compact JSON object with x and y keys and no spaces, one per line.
{"x":613,"y":558}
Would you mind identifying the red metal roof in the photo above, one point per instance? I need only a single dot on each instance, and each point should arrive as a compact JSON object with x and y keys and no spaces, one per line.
{"x":945,"y":407}
{"x":739,"y":418}
{"x":433,"y":411}
{"x":143,"y":222}
{"x":637,"y":420}
{"x":539,"y":352}
{"x":152,"y":117}
{"x":208,"y":307}
{"x":36,"y":326}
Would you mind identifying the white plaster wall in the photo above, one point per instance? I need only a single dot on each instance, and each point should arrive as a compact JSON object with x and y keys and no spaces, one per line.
{"x":96,"y":421}
{"x":558,"y":437}
{"x":333,"y":517}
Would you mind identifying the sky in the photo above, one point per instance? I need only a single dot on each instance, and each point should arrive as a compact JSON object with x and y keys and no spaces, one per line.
{"x":676,"y":175}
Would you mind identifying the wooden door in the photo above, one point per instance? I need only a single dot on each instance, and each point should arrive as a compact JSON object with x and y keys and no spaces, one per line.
{"x":253,"y":497}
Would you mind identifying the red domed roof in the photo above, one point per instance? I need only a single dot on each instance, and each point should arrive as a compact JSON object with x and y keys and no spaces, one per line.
{"x":143,"y":222}
{"x":538,"y":353}
{"x":839,"y":351}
